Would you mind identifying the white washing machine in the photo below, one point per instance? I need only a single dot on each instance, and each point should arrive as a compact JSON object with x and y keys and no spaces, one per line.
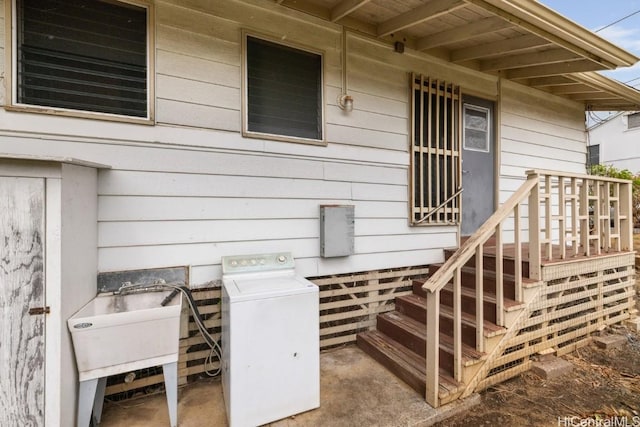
{"x":270,"y":339}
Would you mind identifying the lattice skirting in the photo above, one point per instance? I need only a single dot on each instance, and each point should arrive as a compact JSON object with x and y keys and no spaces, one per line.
{"x":577,"y":299}
{"x":349,"y":304}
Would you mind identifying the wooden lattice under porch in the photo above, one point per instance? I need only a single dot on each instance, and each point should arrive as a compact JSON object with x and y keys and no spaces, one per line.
{"x":577,"y":297}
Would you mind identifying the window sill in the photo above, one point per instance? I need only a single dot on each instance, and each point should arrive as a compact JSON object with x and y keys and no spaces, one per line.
{"x":284,"y":138}
{"x":79,"y":114}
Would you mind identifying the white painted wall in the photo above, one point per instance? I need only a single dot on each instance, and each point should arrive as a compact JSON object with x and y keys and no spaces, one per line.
{"x":619,"y":146}
{"x":191,"y":189}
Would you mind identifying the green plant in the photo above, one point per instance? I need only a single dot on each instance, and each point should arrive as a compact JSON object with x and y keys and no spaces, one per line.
{"x":612,"y":172}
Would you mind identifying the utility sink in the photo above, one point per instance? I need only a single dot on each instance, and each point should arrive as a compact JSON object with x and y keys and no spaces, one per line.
{"x":113,"y":334}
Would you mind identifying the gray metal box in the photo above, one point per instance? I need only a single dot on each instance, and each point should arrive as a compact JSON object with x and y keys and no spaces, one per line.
{"x":336,"y":230}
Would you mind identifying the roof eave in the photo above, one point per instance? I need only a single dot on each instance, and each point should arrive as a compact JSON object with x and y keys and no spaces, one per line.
{"x":548,"y":20}
{"x":629,"y":98}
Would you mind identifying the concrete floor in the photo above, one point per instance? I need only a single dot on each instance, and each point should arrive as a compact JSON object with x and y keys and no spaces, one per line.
{"x":355,"y":391}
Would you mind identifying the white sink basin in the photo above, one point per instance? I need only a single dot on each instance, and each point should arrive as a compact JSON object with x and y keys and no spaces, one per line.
{"x":120,"y":333}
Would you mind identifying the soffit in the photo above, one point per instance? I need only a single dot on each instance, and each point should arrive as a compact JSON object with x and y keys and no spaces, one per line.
{"x":520,"y":40}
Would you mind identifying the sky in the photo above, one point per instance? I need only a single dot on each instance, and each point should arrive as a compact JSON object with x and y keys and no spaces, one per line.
{"x":595,"y":14}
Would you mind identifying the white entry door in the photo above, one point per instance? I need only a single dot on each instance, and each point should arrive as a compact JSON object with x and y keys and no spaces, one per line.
{"x":21,"y":291}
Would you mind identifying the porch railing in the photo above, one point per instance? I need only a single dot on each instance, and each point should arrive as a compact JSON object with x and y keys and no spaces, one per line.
{"x":578,"y":215}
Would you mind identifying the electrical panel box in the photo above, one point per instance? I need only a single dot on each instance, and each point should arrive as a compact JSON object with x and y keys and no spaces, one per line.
{"x":336,"y":230}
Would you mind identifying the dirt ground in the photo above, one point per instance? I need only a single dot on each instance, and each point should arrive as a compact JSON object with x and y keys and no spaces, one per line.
{"x":602,"y":390}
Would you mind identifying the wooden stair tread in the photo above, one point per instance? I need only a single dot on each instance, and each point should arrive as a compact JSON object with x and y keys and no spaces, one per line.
{"x":490,"y":328}
{"x":490,"y":297}
{"x":509,"y":304}
{"x":469,"y":354}
{"x":509,"y":278}
{"x":404,"y":363}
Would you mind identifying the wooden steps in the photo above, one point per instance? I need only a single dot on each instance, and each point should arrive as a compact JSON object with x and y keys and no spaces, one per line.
{"x":399,"y":343}
{"x":404,"y":363}
{"x":489,"y":262}
{"x":416,"y":305}
{"x":412,"y":334}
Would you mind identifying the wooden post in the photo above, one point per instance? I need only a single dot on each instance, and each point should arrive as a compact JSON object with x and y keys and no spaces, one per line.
{"x":606,"y":213}
{"x":433,"y":348}
{"x":499,"y":277}
{"x":562,"y":218}
{"x":597,"y":217}
{"x":518,"y":254}
{"x":480,"y":298}
{"x":534,"y":229}
{"x":373,"y":305}
{"x":584,"y":216}
{"x":626,"y":221}
{"x":574,"y":216}
{"x":548,"y":238}
{"x":457,"y":325}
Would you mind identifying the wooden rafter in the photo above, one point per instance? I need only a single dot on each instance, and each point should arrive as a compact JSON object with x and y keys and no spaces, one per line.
{"x":573,"y":88}
{"x":551,"y":56}
{"x":550,"y":81}
{"x":464,"y":32}
{"x":552,"y":69}
{"x":593,"y":96}
{"x":501,"y":47}
{"x":345,"y":7}
{"x":431,"y":10}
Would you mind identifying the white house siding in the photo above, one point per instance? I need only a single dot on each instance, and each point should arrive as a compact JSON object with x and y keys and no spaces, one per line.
{"x":538,"y":131}
{"x":191,"y":189}
{"x":619,"y":145}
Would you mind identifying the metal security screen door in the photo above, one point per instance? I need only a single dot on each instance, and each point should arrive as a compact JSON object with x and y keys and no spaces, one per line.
{"x":436,"y":172}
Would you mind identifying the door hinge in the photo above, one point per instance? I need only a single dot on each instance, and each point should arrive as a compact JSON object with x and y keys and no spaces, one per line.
{"x":34,"y":311}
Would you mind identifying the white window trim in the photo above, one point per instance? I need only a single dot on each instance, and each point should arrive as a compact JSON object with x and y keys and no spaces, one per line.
{"x":468,"y":106}
{"x":11,"y":72}
{"x":245,"y":102}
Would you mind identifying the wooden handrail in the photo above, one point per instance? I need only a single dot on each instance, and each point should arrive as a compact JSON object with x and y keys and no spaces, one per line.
{"x":575,"y":175}
{"x":561,"y":208}
{"x":441,"y":277}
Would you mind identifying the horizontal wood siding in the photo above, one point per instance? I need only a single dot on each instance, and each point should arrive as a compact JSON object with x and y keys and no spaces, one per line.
{"x":191,"y":189}
{"x":538,"y":131}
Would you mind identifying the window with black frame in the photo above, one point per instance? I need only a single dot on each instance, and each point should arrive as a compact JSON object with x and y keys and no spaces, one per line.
{"x":83,"y":55}
{"x":283,"y":90}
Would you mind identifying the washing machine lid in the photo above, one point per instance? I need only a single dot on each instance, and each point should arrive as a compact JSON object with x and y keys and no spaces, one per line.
{"x":250,"y":288}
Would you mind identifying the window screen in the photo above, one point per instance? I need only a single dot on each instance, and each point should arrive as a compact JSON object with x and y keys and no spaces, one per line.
{"x":476,"y":128}
{"x":84,"y":55}
{"x":284,"y":87}
{"x":594,"y":155}
{"x":633,"y":121}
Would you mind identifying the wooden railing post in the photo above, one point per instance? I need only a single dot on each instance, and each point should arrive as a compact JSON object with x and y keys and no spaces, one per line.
{"x":584,"y":216}
{"x":480,"y":297}
{"x":457,"y":325}
{"x":534,"y":228}
{"x":499,"y":276}
{"x":626,"y":222}
{"x":433,"y":348}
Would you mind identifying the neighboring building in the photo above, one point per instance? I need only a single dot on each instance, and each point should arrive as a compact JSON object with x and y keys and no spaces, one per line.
{"x":222,"y":126}
{"x":616,"y":141}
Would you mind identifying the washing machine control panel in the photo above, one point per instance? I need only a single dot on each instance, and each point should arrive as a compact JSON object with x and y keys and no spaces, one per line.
{"x":257,"y":263}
